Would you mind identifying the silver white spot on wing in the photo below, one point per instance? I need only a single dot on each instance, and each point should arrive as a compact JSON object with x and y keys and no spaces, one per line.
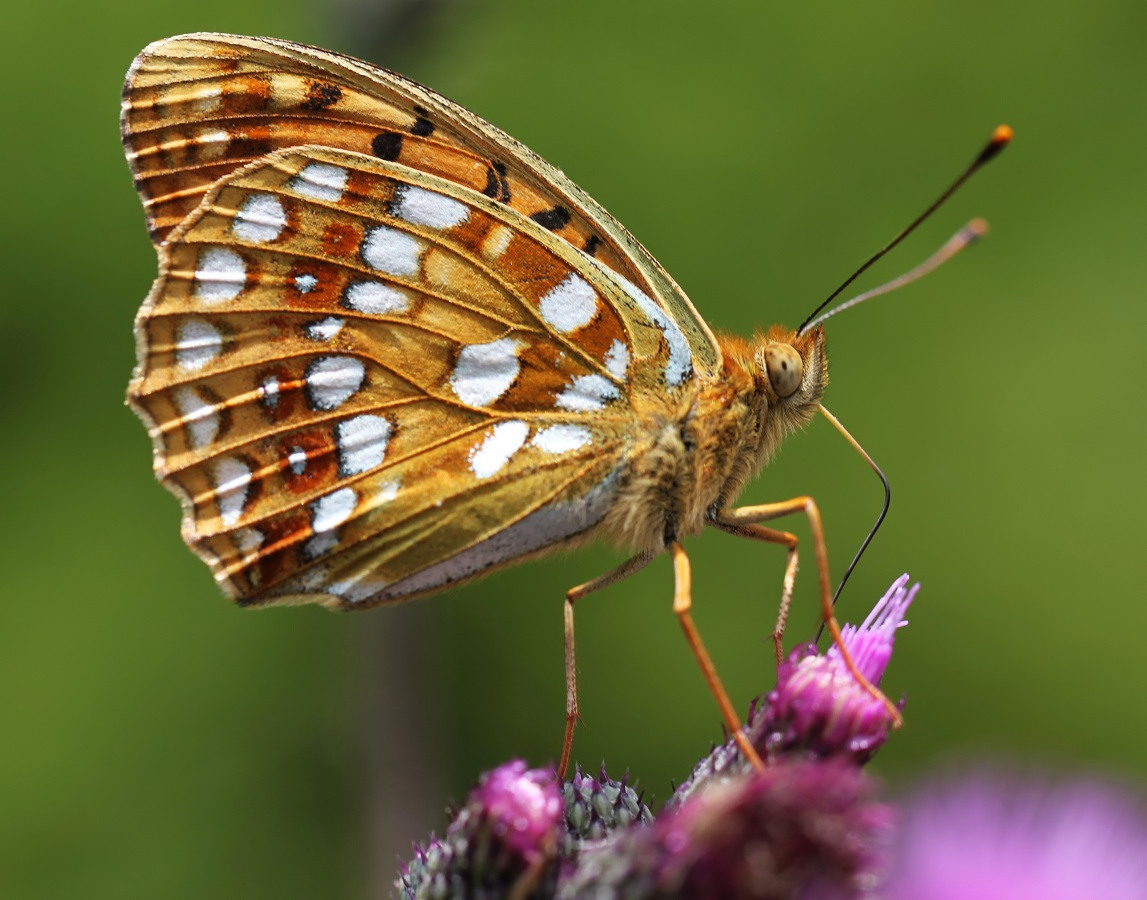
{"x":419,"y":206}
{"x":360,"y":585}
{"x":261,"y":218}
{"x":324,"y":329}
{"x":330,"y":511}
{"x":327,"y":514}
{"x":569,"y":305}
{"x":207,"y":99}
{"x":212,"y":142}
{"x":321,"y":181}
{"x":484,"y":372}
{"x":586,"y":393}
{"x":232,"y":482}
{"x":297,"y":460}
{"x":248,"y":541}
{"x":562,"y":438}
{"x":269,"y":391}
{"x":375,"y":298}
{"x":332,"y":380}
{"x":220,"y":274}
{"x":197,"y":342}
{"x":364,"y":582}
{"x":313,"y":579}
{"x":392,"y":251}
{"x":362,"y":443}
{"x":489,"y":457}
{"x":319,"y":544}
{"x":617,"y":360}
{"x":679,"y":366}
{"x":306,"y":282}
{"x":199,"y":417}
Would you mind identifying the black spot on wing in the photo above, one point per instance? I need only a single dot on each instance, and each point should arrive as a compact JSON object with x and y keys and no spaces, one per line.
{"x":552,"y":219}
{"x":321,"y":95}
{"x":248,"y":147}
{"x":496,"y":186}
{"x":422,"y":126}
{"x":591,"y":244}
{"x":386,"y":145}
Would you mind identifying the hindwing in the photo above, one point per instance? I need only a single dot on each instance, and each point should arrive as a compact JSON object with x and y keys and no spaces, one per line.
{"x":366,"y":382}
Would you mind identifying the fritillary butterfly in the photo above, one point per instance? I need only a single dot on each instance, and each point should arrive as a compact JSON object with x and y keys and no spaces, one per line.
{"x":390,"y":349}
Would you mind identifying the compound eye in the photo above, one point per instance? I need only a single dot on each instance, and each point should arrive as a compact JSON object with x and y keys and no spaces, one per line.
{"x":785,"y":368}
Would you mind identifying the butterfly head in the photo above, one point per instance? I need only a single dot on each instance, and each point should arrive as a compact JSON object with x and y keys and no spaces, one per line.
{"x":791,"y":370}
{"x":781,"y":376}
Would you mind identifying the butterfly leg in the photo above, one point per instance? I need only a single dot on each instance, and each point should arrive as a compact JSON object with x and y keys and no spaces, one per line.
{"x":614,"y":575}
{"x":682,"y":607}
{"x":735,"y":520}
{"x":771,"y":536}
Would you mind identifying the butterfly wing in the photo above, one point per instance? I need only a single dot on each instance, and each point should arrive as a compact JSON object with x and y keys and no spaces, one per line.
{"x":197,"y":107}
{"x":367,"y":382}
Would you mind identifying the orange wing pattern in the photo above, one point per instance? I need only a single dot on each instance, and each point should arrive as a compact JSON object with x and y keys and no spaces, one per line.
{"x":354,"y":372}
{"x":198,"y":106}
{"x":388,"y":347}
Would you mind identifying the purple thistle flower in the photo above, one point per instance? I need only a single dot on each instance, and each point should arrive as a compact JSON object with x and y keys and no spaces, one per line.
{"x":996,"y":838}
{"x":818,"y":707}
{"x":597,"y":807}
{"x":800,"y":829}
{"x":806,"y":828}
{"x":502,"y":841}
{"x":818,"y":710}
{"x":524,"y":807}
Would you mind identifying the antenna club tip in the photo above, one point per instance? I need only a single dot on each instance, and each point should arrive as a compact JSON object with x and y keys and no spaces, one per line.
{"x":1001,"y":137}
{"x":977,"y":228}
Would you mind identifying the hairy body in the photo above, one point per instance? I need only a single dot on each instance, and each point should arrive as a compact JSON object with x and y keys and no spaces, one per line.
{"x":697,"y":451}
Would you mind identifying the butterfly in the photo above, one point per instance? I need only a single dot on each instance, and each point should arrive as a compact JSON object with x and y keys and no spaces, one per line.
{"x":390,"y":349}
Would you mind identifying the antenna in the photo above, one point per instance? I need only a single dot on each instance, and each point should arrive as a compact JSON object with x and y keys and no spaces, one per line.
{"x":961,"y":240}
{"x":1000,"y":139}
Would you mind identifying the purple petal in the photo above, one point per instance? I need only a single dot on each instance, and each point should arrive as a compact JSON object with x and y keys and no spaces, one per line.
{"x":524,"y":804}
{"x":994,"y":837}
{"x":870,"y":644}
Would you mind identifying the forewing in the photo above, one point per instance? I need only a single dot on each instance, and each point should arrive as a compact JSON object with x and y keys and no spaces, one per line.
{"x":199,"y":106}
{"x":366,"y":382}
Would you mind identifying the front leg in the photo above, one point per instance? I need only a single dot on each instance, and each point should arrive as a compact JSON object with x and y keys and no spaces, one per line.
{"x":740,"y":521}
{"x":683,"y":609}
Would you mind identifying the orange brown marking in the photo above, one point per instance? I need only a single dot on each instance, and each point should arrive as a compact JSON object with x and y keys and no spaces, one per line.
{"x":367,"y":187}
{"x":247,"y":94}
{"x":286,"y":403}
{"x":473,"y":231}
{"x":282,"y":537}
{"x":597,"y":338}
{"x":322,"y":459}
{"x":361,"y":113}
{"x":341,"y":240}
{"x":326,"y":292}
{"x":250,"y":143}
{"x":545,"y":372}
{"x":530,"y":267}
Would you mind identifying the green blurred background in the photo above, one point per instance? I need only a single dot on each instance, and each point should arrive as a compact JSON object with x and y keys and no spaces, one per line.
{"x":158,"y":741}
